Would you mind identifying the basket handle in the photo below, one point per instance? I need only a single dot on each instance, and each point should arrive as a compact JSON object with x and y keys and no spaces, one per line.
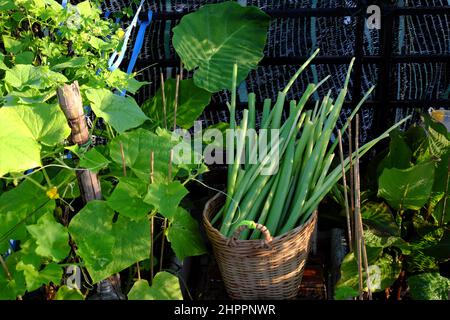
{"x":265,"y":243}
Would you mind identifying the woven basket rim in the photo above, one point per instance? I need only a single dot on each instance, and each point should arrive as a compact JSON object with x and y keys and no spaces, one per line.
{"x":279,"y":238}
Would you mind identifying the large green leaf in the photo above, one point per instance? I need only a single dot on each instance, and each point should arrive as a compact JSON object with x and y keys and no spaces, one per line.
{"x":106,"y":245}
{"x":137,"y":147}
{"x":429,"y":286}
{"x":24,"y":129}
{"x":11,"y":288}
{"x":383,"y":271}
{"x":184,"y":235}
{"x":214,"y":38}
{"x":93,"y":160}
{"x":128,"y":199}
{"x":165,"y":197}
{"x":52,"y":238}
{"x":23,"y":76}
{"x":21,"y":206}
{"x":192,"y":100}
{"x":439,"y":203}
{"x":441,"y":249}
{"x":437,"y":142}
{"x":165,"y":286}
{"x":375,"y":241}
{"x":122,"y":113}
{"x":66,"y":293}
{"x":35,"y":278}
{"x":379,"y":218}
{"x":399,"y":155}
{"x":124,"y":81}
{"x":407,"y":188}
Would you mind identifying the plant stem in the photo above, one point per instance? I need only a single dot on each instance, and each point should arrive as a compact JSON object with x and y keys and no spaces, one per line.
{"x":47,"y":178}
{"x":29,"y":178}
{"x":138,"y":270}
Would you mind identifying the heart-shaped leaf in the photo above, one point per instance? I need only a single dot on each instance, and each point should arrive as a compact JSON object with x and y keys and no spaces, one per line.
{"x":407,"y":188}
{"x":122,"y":113}
{"x":165,"y":287}
{"x":214,"y":38}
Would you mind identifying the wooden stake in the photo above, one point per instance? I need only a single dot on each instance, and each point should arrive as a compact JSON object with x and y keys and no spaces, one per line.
{"x":181,"y":70}
{"x":152,"y":167}
{"x":356,"y":219}
{"x":151,"y":247}
{"x":352,"y":182}
{"x":71,"y":104}
{"x":175,"y":107}
{"x":344,"y":180}
{"x":362,"y":245}
{"x":152,"y":222}
{"x":124,"y":166}
{"x":69,"y":98}
{"x":164,"y":100}
{"x":164,"y":226}
{"x":170,"y":164}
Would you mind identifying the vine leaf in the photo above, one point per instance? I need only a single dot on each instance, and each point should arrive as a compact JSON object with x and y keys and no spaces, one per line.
{"x":165,"y":197}
{"x":21,"y":206}
{"x":66,"y":293}
{"x":25,"y":76}
{"x":214,"y":38}
{"x":106,"y":245}
{"x":24,"y":129}
{"x":165,"y":286}
{"x":93,"y":160}
{"x":35,"y":278}
{"x":137,"y":146}
{"x":127,"y":199}
{"x":184,"y":236}
{"x":122,"y":113}
{"x":52,"y":238}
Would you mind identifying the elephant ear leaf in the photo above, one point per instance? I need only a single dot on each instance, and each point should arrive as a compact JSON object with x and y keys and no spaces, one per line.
{"x":407,"y":188}
{"x":214,"y":38}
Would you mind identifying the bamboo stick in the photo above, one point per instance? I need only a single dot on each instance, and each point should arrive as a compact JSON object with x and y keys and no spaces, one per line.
{"x":344,"y":180}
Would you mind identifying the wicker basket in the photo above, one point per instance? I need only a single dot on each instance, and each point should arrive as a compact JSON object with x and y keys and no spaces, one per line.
{"x":260,"y":269}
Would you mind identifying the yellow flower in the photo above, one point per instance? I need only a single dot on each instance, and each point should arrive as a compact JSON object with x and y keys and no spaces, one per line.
{"x":120,"y":33}
{"x":52,"y":193}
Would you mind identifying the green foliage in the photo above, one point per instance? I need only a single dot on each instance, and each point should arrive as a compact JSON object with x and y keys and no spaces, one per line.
{"x":414,"y":182}
{"x":107,"y":245}
{"x":122,"y":113}
{"x":66,"y":293}
{"x":214,"y":38}
{"x":192,"y":100}
{"x":183,"y":234}
{"x":407,"y":188}
{"x":165,"y":287}
{"x":128,"y":199}
{"x":52,"y":238}
{"x":429,"y":286}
